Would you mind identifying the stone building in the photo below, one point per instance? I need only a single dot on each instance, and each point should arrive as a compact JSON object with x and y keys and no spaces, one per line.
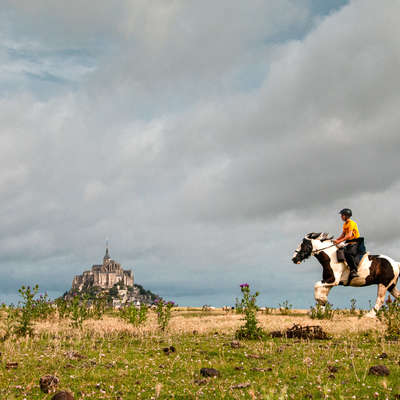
{"x":104,"y":276}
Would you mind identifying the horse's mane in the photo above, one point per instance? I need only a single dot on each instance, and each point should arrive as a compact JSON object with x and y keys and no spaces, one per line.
{"x":322,"y":236}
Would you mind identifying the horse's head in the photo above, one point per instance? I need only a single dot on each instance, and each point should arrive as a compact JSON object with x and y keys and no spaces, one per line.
{"x":311,"y":243}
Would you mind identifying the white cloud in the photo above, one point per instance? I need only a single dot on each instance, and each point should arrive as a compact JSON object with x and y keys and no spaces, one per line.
{"x":202,"y":182}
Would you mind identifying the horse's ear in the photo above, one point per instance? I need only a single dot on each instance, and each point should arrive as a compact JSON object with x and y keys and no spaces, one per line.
{"x":314,"y":235}
{"x":325,"y":236}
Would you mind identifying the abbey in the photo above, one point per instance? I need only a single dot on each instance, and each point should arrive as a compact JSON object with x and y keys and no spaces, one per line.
{"x":104,"y":276}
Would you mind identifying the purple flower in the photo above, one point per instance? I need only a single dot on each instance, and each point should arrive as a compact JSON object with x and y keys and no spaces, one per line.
{"x":244,"y":285}
{"x":171,"y":302}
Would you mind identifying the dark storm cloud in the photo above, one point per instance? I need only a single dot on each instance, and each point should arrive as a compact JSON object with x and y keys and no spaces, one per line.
{"x":201,"y":181}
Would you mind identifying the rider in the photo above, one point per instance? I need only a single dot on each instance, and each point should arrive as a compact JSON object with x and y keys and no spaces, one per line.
{"x":351,"y":236}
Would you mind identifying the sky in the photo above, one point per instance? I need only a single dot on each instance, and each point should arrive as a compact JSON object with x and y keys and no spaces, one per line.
{"x":203,"y":139}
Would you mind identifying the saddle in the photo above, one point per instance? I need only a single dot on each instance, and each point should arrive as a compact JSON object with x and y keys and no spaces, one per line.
{"x":360,"y":258}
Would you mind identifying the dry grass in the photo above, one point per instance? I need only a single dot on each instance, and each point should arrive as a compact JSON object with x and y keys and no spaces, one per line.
{"x":212,"y":321}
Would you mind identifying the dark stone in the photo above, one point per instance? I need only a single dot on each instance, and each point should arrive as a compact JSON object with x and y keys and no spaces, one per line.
{"x":235,"y":344}
{"x":11,"y":365}
{"x":379,"y":370}
{"x":383,"y":356}
{"x":63,"y":396}
{"x":333,"y":369}
{"x":48,"y":383}
{"x":209,"y":372}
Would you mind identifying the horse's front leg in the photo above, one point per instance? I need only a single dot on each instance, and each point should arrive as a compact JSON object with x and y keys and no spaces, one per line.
{"x":321,"y":291}
{"x":379,"y":301}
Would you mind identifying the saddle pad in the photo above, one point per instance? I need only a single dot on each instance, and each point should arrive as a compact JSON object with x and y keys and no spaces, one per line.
{"x":363,"y":258}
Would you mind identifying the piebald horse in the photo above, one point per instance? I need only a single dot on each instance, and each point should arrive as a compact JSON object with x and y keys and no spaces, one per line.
{"x":373,"y":270}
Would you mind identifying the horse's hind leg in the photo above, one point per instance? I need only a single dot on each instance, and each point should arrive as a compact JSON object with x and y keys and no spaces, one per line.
{"x":379,"y":301}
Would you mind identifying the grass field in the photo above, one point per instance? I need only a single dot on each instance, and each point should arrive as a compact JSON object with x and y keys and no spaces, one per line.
{"x":109,"y":359}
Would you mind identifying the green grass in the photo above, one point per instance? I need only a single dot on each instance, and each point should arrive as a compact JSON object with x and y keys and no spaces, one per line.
{"x":127,"y":367}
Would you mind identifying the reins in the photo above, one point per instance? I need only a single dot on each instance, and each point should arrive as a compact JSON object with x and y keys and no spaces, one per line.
{"x":317,"y":251}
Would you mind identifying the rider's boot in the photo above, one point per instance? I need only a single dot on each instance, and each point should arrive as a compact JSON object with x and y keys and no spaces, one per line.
{"x":353,"y":274}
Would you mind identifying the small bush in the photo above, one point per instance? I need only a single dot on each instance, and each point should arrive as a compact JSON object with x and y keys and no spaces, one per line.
{"x":163,"y":311}
{"x":79,"y":311}
{"x":285,"y":308}
{"x":26,"y":313}
{"x":353,"y":309}
{"x":250,"y":330}
{"x":389,"y":314}
{"x":134,"y":315}
{"x":322,"y":312}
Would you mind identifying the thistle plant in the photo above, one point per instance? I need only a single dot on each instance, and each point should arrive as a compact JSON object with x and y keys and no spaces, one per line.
{"x":133,"y":314}
{"x":43,"y":307}
{"x":163,"y":311}
{"x":250,"y":330}
{"x":79,"y":311}
{"x":26,"y":313}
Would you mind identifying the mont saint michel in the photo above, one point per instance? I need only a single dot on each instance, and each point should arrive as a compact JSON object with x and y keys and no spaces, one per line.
{"x":104,"y":276}
{"x":111,"y":279}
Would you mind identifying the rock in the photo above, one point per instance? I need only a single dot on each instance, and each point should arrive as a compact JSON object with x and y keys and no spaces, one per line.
{"x":63,"y":396}
{"x":239,"y":368}
{"x":332,"y":376}
{"x":256,"y":356}
{"x":383,"y":356}
{"x":241,"y":385}
{"x":11,"y":365}
{"x":235,"y":344}
{"x":333,"y":369}
{"x":379,"y":370}
{"x":200,"y":381}
{"x":168,"y":350}
{"x":262,"y":369}
{"x":48,"y":383}
{"x":209,"y":372}
{"x":73,"y":355}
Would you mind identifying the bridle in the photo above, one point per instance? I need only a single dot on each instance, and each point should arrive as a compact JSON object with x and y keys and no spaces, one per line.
{"x":313,"y":252}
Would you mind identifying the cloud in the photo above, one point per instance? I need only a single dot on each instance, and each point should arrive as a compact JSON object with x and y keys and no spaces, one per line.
{"x":204,"y":151}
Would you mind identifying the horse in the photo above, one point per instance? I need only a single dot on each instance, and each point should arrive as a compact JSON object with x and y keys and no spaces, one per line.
{"x":378,"y":270}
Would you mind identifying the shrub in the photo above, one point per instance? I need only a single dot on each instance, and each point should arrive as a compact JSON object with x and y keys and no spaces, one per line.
{"x":133,"y":314}
{"x":353,"y":309}
{"x":43,"y":307}
{"x":389,"y":314}
{"x":62,"y":308}
{"x":250,"y":330}
{"x":8,"y":321}
{"x":99,"y":305}
{"x":285,"y":308}
{"x":26,"y":313}
{"x":322,"y":312}
{"x":79,"y":311}
{"x":163,"y":311}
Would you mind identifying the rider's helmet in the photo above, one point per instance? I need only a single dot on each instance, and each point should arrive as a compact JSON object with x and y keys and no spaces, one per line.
{"x":346,"y":211}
